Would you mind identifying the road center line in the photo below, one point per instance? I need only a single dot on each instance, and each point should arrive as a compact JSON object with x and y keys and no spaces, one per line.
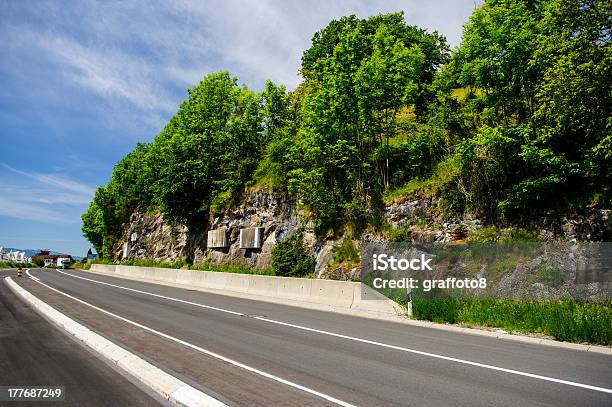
{"x":370,"y":342}
{"x":155,"y":295}
{"x":31,"y":276}
{"x":207,"y":352}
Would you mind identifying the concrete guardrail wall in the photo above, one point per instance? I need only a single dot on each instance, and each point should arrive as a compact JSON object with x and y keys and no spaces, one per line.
{"x":337,"y":295}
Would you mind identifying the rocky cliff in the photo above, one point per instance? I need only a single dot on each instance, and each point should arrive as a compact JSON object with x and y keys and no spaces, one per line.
{"x":147,"y":236}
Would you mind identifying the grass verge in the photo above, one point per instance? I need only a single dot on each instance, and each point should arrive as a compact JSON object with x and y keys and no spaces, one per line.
{"x":15,"y":265}
{"x":570,"y":321}
{"x":224,"y":268}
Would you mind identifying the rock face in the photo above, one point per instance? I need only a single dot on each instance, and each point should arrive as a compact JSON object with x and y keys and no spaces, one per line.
{"x":276,"y":214}
{"x":595,"y":226}
{"x":146,"y":236}
{"x":400,"y":213}
{"x":268,"y":217}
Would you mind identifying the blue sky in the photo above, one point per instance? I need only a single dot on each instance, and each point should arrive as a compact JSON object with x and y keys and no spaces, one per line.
{"x":82,"y":81}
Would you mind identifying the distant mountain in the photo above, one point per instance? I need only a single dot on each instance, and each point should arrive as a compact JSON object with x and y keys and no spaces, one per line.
{"x":32,"y":252}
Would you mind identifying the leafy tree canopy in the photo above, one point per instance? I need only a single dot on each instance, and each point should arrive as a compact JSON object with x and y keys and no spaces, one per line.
{"x":513,"y":122}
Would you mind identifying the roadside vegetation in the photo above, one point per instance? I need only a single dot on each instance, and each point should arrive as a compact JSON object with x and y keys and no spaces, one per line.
{"x":225,"y":268}
{"x":15,"y":265}
{"x":570,"y":321}
{"x":290,"y":258}
{"x":511,"y":124}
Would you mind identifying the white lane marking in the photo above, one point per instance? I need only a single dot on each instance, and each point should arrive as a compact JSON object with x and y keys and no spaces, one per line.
{"x":207,"y":352}
{"x":166,"y":385}
{"x":381,"y":344}
{"x":31,"y":276}
{"x":433,"y":355}
{"x":155,"y":295}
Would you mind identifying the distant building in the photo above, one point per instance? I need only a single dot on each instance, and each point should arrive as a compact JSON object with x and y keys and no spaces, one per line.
{"x":47,"y":259}
{"x":18,"y":257}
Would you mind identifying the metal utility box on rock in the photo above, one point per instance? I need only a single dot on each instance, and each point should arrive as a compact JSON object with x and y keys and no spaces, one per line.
{"x":217,"y":239}
{"x":251,"y":238}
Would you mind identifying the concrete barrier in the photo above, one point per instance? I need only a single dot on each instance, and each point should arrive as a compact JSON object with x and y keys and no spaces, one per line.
{"x":237,"y":282}
{"x":340,"y":296}
{"x":266,"y":286}
{"x":336,"y":293}
{"x":294,"y":289}
{"x":216,"y":281}
{"x":187,"y":277}
{"x":368,"y":299}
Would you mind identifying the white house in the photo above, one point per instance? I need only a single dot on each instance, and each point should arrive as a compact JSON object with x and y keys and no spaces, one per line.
{"x":17,"y":257}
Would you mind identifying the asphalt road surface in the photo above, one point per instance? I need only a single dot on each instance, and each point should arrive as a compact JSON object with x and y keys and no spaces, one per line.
{"x":32,"y":352}
{"x":255,"y":353}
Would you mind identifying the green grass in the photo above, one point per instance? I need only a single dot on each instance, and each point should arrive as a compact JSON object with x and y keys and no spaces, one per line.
{"x":492,"y":234}
{"x":231,"y":268}
{"x":224,"y":268}
{"x":414,"y":186}
{"x":346,"y":251}
{"x":570,"y":321}
{"x":13,"y":265}
{"x":443,"y":175}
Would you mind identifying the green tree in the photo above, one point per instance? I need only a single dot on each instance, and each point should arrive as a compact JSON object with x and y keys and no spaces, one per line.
{"x":290,"y":258}
{"x":534,"y":115}
{"x":359,"y":75}
{"x":208,"y":150}
{"x":93,"y":226}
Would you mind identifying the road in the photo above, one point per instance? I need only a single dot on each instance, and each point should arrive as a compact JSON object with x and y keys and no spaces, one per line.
{"x":32,"y":352}
{"x":248,"y":352}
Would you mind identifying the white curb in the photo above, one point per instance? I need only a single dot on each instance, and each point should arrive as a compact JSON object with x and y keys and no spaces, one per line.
{"x":162,"y":383}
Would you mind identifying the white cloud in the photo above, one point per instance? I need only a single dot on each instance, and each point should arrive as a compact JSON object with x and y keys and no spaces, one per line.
{"x":23,"y":210}
{"x":146,"y":51}
{"x":48,"y":198}
{"x":261,"y":39}
{"x":55,"y":181}
{"x":109,"y":73}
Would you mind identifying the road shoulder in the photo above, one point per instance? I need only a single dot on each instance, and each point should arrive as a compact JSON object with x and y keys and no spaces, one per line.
{"x":164,"y":384}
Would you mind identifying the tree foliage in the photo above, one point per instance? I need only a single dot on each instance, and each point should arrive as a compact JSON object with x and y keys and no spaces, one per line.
{"x":208,"y":150}
{"x":536,"y":116}
{"x":360,"y":76}
{"x":290,"y":258}
{"x":515,"y":121}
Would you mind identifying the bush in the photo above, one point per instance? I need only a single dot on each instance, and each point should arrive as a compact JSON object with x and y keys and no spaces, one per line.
{"x":438,"y":310}
{"x":14,"y":265}
{"x":232,"y":268}
{"x":401,"y":234}
{"x":346,"y":251}
{"x":492,"y":234}
{"x":290,"y":259}
{"x":409,"y":159}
